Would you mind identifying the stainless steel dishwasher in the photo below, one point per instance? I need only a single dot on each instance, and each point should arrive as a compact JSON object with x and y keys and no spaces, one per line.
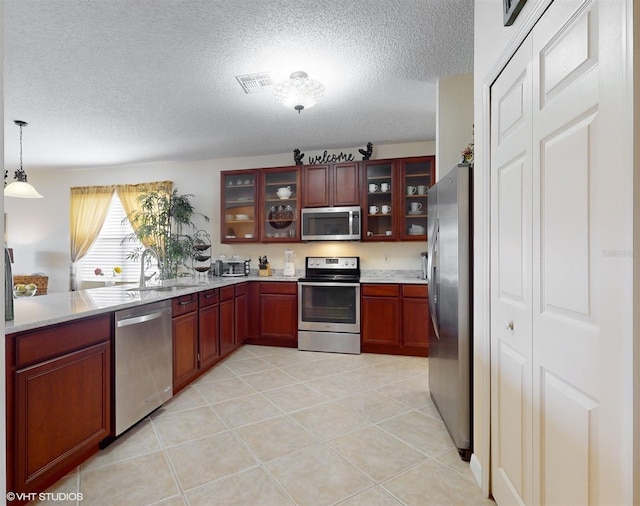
{"x":143,"y":362}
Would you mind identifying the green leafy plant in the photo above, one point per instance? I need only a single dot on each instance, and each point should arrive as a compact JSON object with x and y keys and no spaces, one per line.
{"x":163,"y":221}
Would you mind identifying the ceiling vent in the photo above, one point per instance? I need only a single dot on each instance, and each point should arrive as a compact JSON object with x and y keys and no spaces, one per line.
{"x":255,"y":83}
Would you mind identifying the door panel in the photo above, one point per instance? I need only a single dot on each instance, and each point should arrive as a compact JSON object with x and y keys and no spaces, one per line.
{"x":511,"y":290}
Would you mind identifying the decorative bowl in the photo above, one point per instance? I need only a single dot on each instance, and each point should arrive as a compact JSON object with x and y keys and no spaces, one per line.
{"x":24,"y":290}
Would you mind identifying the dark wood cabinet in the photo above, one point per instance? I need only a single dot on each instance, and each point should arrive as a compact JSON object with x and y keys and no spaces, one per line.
{"x":380,"y":317}
{"x":416,"y":320}
{"x":331,"y":185}
{"x":227,"y":319}
{"x":208,"y":328}
{"x":58,"y":400}
{"x":185,"y":340}
{"x":395,"y":319}
{"x":240,"y":314}
{"x":278,"y":314}
{"x":416,"y":175}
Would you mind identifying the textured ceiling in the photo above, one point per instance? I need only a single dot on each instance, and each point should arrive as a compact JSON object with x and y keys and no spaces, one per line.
{"x":111,"y":82}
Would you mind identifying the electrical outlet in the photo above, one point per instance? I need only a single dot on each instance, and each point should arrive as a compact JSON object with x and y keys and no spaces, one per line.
{"x":386,"y":258}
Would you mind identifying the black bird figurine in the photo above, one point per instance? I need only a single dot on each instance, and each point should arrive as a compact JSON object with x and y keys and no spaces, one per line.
{"x":297,"y":156}
{"x":366,"y":154}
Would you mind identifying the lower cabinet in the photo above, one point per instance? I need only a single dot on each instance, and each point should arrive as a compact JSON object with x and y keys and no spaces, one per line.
{"x":227,"y":319}
{"x":277,"y":314}
{"x":395,"y":319}
{"x":58,"y":400}
{"x":185,"y":340}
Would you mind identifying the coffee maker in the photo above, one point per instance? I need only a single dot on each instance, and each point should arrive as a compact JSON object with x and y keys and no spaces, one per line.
{"x":289,"y":265}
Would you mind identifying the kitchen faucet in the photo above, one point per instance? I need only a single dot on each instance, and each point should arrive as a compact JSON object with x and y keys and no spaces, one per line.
{"x":149,"y":250}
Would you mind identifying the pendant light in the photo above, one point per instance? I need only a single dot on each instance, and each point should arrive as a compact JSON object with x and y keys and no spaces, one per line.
{"x":20,"y":188}
{"x":299,"y":92}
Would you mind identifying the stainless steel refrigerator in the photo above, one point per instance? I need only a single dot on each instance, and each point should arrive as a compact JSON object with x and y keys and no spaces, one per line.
{"x":449,"y":278}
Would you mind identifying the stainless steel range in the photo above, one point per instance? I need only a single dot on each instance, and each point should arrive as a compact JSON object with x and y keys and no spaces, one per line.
{"x":329,"y":305}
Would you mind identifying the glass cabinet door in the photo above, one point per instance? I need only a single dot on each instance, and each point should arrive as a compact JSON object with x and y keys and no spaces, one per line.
{"x":416,"y":178}
{"x":280,"y":204}
{"x":238,"y":207}
{"x":379,"y":211}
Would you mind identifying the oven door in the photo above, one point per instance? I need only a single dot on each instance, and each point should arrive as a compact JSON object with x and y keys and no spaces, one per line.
{"x":329,"y":307}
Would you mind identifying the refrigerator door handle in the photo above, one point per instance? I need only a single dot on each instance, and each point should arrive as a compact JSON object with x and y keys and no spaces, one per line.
{"x":431,"y":278}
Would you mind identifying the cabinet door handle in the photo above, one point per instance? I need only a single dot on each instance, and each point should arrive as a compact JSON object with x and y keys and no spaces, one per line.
{"x":187,"y":302}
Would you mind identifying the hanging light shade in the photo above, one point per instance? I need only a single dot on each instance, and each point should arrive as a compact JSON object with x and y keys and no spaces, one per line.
{"x":299,"y":92}
{"x":20,"y":188}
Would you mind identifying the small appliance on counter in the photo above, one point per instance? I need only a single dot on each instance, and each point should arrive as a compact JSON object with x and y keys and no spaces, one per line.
{"x":235,"y":267}
{"x":289,"y":265}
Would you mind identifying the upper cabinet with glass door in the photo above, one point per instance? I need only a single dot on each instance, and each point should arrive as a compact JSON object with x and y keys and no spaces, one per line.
{"x":280,"y":204}
{"x":416,"y":176}
{"x":239,"y":216}
{"x":380,"y":211}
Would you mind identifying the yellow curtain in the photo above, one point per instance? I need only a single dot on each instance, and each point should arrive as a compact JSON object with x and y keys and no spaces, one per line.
{"x":88,"y":210}
{"x":129,"y":193}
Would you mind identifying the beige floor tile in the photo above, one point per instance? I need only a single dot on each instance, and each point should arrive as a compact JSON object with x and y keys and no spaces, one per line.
{"x":409,"y":391}
{"x":452,"y":459}
{"x":246,"y":410}
{"x":336,"y":386}
{"x":376,"y":453}
{"x":374,"y":496}
{"x":310,"y":370}
{"x":199,"y":462}
{"x":176,"y":428}
{"x":217,"y":372}
{"x":294,"y":397}
{"x":263,"y":351}
{"x":61,"y":489}
{"x":173,"y":501}
{"x":187,"y":398}
{"x":146,"y":479}
{"x":374,"y":406}
{"x":240,"y":354}
{"x":431,"y":483}
{"x":421,"y":431}
{"x":290,"y":357}
{"x":317,"y":476}
{"x":329,"y":420}
{"x":431,"y":410}
{"x":224,"y":389}
{"x":248,"y":488}
{"x":275,"y":437}
{"x":140,"y":439}
{"x":269,"y":379}
{"x":248,"y":366}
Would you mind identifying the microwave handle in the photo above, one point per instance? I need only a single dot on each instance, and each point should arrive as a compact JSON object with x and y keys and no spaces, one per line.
{"x":354,"y":223}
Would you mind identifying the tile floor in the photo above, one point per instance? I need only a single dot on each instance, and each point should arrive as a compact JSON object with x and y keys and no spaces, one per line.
{"x":277,"y":426}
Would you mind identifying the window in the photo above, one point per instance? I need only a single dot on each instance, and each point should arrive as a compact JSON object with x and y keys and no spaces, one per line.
{"x":108,"y":251}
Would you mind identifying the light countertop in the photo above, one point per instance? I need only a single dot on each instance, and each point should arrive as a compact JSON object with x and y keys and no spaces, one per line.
{"x":41,"y":311}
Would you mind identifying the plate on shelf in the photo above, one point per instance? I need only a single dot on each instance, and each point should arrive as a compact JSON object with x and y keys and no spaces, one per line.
{"x":242,"y":217}
{"x":415,"y":213}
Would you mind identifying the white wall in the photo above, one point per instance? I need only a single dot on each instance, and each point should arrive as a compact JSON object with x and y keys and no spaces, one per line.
{"x":454,"y":120}
{"x":38,"y":229}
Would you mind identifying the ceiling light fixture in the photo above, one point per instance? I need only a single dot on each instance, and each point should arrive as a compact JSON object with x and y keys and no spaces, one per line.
{"x":299,"y":92}
{"x":20,"y":188}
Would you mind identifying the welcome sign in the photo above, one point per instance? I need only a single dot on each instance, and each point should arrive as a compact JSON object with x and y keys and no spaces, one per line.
{"x":326,"y":157}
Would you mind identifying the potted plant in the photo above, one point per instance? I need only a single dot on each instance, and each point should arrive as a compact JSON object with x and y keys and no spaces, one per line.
{"x":163,"y":221}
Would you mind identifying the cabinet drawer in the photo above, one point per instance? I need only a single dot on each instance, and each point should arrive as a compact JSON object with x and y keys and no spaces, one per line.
{"x":414,"y":291}
{"x":241,"y":289}
{"x":277,"y":287}
{"x":41,"y":345}
{"x":208,"y":297}
{"x":227,"y":293}
{"x":377,"y":290}
{"x":184,"y":304}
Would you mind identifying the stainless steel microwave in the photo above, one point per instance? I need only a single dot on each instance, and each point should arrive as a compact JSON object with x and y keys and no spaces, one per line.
{"x":331,"y":224}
